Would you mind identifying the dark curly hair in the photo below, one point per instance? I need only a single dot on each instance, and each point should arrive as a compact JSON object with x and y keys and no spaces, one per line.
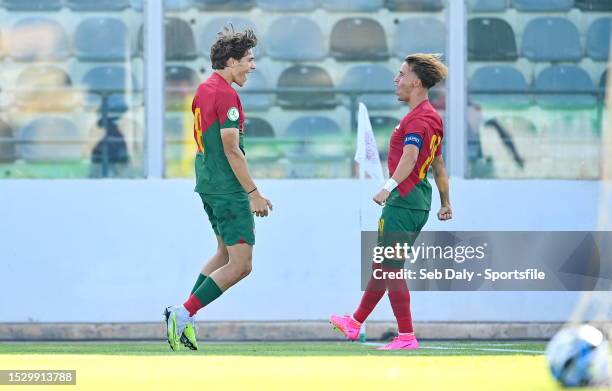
{"x":231,"y":44}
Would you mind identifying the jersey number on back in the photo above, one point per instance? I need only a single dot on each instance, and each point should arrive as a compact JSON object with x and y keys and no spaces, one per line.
{"x":433,"y":147}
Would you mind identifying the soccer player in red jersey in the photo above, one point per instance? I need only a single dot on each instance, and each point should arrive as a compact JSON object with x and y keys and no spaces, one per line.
{"x":229,"y":194}
{"x":415,"y":145}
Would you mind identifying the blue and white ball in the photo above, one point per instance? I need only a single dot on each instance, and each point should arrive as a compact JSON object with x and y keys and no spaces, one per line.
{"x":578,"y":356}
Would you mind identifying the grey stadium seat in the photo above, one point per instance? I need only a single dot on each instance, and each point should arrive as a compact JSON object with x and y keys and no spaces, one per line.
{"x":372,"y":77}
{"x":543,"y":5}
{"x":38,"y":38}
{"x":551,"y":39}
{"x":566,"y":80}
{"x":180,"y":42}
{"x":491,"y":39}
{"x":224,"y":5}
{"x":44,"y":88}
{"x":493,"y":78}
{"x":258,"y":127}
{"x":358,"y":39}
{"x":255,"y":80}
{"x":97,"y":5}
{"x":419,"y":35}
{"x":169,"y":5}
{"x":295,"y":38}
{"x":102,"y":39}
{"x":51,"y":139}
{"x":487,"y":5}
{"x":216,"y":25}
{"x":352,"y":5}
{"x":8,"y":148}
{"x":287,"y":6}
{"x":310,"y":129}
{"x":106,"y":79}
{"x":306,"y":76}
{"x":594,"y":5}
{"x":32,"y":5}
{"x":181,"y":83}
{"x":598,"y":39}
{"x":414,"y":5}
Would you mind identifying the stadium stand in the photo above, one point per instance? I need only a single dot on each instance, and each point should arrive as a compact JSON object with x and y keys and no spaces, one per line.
{"x":503,"y":78}
{"x":101,"y":39}
{"x":543,"y":5}
{"x":414,"y":5}
{"x":352,"y":5}
{"x":224,"y":5}
{"x":48,"y":139}
{"x":287,"y":6}
{"x":598,"y":39}
{"x":38,"y":39}
{"x":180,"y":42}
{"x":309,"y":76}
{"x":487,"y":5}
{"x":594,"y":5}
{"x":372,"y":77}
{"x":295,"y":38}
{"x":44,"y":88}
{"x":181,"y":83}
{"x":258,"y":127}
{"x":491,"y":39}
{"x":7,"y":143}
{"x":572,"y":83}
{"x":358,"y":39}
{"x":551,"y":39}
{"x":256,"y":80}
{"x":107,"y":80}
{"x":97,"y":5}
{"x":32,"y":5}
{"x":419,"y":35}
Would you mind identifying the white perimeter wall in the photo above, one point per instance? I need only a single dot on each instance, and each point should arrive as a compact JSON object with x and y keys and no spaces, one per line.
{"x":121,"y":250}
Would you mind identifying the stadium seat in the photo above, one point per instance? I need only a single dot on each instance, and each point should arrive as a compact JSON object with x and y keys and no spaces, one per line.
{"x":44,"y":88}
{"x":181,"y":83}
{"x":487,"y":5}
{"x":224,"y":5}
{"x":295,"y":38}
{"x":594,"y":5}
{"x":104,"y":80}
{"x":7,"y":143}
{"x":504,"y":79}
{"x":414,"y":5}
{"x":255,"y":81}
{"x":180,"y":42}
{"x":598,"y":39}
{"x":38,"y":39}
{"x":491,"y":39}
{"x":604,"y":79}
{"x":102,"y":39}
{"x":51,"y":139}
{"x":358,"y":39}
{"x":315,"y":137}
{"x":32,"y":5}
{"x":97,"y":5}
{"x":258,"y":127}
{"x":543,"y":5}
{"x":567,"y":81}
{"x":287,"y":6}
{"x":419,"y":35}
{"x":306,"y":76}
{"x":372,"y":77}
{"x":169,"y":5}
{"x":352,"y":5}
{"x":551,"y":39}
{"x":216,"y":25}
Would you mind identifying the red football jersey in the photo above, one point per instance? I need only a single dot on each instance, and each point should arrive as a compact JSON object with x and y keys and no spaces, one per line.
{"x":421,"y":127}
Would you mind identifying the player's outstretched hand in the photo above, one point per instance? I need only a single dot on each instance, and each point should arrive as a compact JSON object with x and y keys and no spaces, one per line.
{"x":381,"y":197}
{"x":445,"y":213}
{"x":260,"y":205}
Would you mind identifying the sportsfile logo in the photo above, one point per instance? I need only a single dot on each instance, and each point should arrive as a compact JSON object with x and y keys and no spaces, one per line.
{"x":412,"y":254}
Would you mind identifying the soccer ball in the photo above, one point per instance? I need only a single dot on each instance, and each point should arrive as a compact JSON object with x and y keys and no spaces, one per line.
{"x":578,"y":356}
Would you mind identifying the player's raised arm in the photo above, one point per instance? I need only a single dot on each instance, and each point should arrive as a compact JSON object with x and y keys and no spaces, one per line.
{"x":441,"y":178}
{"x":230,"y":138}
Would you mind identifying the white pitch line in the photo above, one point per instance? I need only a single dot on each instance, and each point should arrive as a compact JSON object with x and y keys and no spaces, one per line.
{"x":468,"y":348}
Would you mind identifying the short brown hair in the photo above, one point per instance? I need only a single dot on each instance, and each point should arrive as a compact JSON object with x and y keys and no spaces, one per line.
{"x":231,"y":44}
{"x":428,"y":67}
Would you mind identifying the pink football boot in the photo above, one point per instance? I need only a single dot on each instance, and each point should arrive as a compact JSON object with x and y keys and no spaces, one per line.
{"x":346,"y":325}
{"x":401,"y":342}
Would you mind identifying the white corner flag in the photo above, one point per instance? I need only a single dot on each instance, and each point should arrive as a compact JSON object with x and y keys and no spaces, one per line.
{"x":367,"y":152}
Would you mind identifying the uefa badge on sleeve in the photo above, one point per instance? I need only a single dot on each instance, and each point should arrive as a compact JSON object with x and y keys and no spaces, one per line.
{"x":233,"y":114}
